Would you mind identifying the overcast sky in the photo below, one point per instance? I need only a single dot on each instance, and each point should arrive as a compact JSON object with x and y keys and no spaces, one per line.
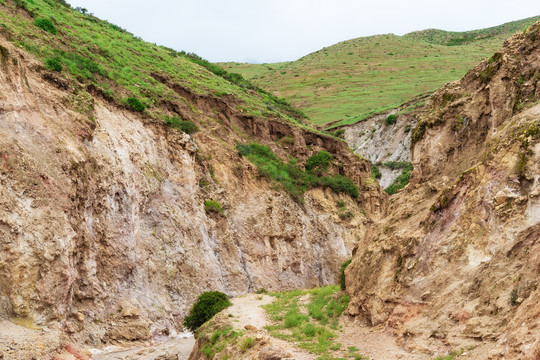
{"x":279,"y":30}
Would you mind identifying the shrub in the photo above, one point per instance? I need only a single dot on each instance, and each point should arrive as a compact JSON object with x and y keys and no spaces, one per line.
{"x":391,"y":119}
{"x":46,"y":25}
{"x":342,"y":284}
{"x":186,"y":126}
{"x":375,"y":171}
{"x":53,"y":64}
{"x":401,"y":181}
{"x":342,"y":184}
{"x":398,"y":165}
{"x":212,"y":206}
{"x":135,"y":104}
{"x":293,"y":179}
{"x":208,"y":304}
{"x":319,"y":163}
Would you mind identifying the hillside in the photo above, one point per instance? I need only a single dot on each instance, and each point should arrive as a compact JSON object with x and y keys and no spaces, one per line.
{"x":133,"y":178}
{"x":349,"y":81}
{"x":456,"y":257}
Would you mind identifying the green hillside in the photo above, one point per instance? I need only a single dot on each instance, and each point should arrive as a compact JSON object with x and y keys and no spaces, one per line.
{"x":351,"y":80}
{"x":92,"y":55}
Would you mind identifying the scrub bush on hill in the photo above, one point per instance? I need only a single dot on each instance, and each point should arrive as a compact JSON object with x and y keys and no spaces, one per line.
{"x":135,"y":104}
{"x":46,"y":24}
{"x":208,"y":304}
{"x":319,"y":163}
{"x":186,"y":126}
{"x":291,"y":177}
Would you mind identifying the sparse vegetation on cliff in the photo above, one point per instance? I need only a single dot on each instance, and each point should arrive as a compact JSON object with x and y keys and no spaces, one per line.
{"x":291,"y":177}
{"x":342,"y":283}
{"x":403,"y":179}
{"x":212,"y":206}
{"x":189,"y":127}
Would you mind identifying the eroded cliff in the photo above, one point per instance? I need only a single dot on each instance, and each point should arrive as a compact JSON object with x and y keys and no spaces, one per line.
{"x":102,"y":220}
{"x":457,"y":256}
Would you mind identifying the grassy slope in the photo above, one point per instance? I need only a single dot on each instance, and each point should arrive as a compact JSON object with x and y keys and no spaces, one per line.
{"x":96,"y":52}
{"x":353,"y":79}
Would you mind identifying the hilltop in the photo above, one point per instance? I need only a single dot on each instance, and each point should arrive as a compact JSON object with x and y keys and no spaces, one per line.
{"x":349,"y":81}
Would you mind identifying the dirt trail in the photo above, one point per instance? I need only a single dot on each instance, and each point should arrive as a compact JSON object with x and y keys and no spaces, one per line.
{"x":246,"y":310}
{"x":370,"y":342}
{"x":373,"y":343}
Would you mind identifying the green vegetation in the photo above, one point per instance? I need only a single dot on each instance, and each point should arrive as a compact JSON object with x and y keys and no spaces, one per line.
{"x":342,"y":283}
{"x":319,"y":163}
{"x":208,"y":304}
{"x":514,"y":296}
{"x":450,"y":38}
{"x":391,"y":119}
{"x":186,"y":126}
{"x":312,"y":324}
{"x":247,"y":343}
{"x":103,"y":59}
{"x":375,"y":171}
{"x":291,"y":177}
{"x":212,"y":206}
{"x":454,"y":354}
{"x":54,"y":64}
{"x":218,"y":341}
{"x":403,"y":179}
{"x":349,"y":81}
{"x":46,"y":25}
{"x":135,"y":104}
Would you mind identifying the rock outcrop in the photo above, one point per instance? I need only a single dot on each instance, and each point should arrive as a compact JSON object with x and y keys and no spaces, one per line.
{"x":102,"y":221}
{"x":457,"y":257}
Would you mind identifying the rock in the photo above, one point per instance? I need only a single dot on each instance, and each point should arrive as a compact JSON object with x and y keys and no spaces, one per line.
{"x":250,"y":328}
{"x":273,"y":353}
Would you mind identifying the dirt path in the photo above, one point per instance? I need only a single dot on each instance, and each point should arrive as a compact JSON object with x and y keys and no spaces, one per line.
{"x":246,"y":310}
{"x":373,"y":343}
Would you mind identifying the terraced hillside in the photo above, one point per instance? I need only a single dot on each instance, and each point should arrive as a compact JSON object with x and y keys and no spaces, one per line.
{"x":351,"y":80}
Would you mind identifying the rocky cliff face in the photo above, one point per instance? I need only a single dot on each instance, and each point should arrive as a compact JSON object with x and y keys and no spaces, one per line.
{"x":380,"y":141}
{"x":102,"y":222}
{"x":457,"y":256}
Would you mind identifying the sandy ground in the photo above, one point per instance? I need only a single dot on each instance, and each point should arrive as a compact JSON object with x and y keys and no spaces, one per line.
{"x":372,"y":343}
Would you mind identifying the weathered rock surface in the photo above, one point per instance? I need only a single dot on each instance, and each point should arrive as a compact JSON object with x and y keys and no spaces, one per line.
{"x":457,"y":257}
{"x":102,"y":223}
{"x":380,"y":142}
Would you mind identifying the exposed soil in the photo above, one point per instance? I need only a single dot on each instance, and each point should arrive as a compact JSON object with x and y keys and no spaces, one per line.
{"x":246,"y":312}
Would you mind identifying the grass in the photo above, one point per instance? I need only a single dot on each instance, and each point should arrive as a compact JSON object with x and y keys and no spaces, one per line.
{"x":218,"y":341}
{"x":403,"y":179}
{"x":454,"y":354}
{"x":94,"y":54}
{"x":186,"y":126}
{"x":291,"y":177}
{"x":313,"y":323}
{"x":212,"y":206}
{"x":349,"y":81}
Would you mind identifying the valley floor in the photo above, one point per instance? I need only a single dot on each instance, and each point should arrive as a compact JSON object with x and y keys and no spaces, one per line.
{"x":371,"y":343}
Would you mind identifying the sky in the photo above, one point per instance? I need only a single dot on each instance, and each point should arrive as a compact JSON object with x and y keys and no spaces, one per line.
{"x":264,"y":31}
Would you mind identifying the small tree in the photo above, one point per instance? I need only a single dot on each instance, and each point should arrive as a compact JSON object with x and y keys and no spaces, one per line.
{"x":208,"y":304}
